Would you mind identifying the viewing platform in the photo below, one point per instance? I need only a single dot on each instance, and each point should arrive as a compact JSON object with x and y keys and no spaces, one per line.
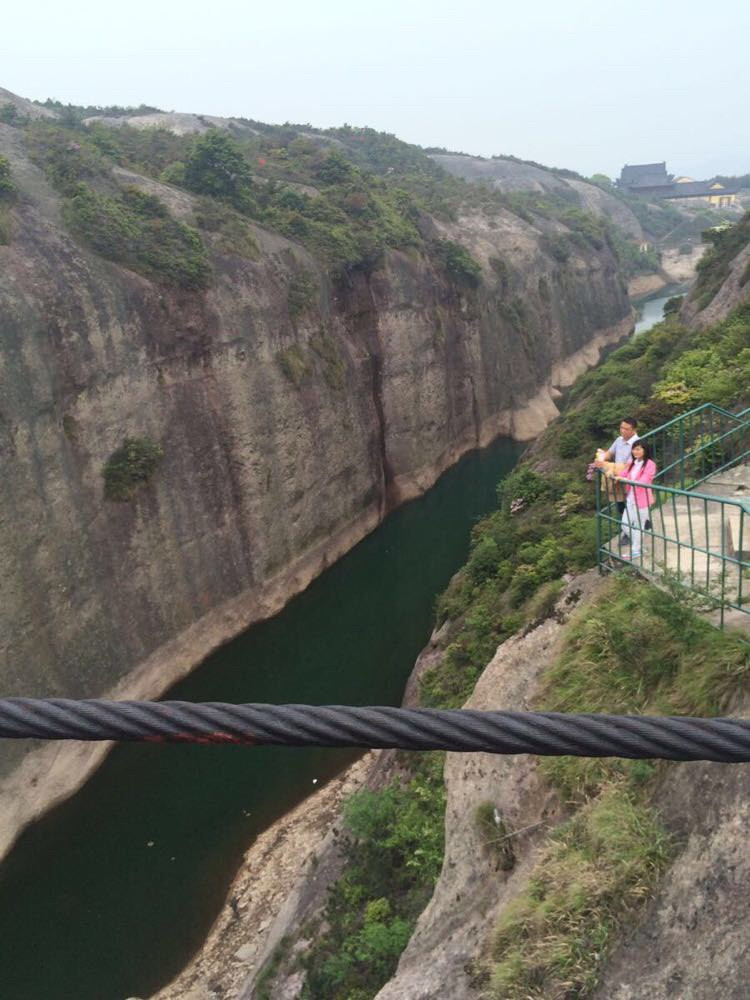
{"x":697,"y":536}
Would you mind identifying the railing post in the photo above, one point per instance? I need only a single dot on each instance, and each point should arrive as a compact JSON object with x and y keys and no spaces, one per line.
{"x":742,"y":557}
{"x":682,"y":454}
{"x":723,"y":567}
{"x":598,"y":487}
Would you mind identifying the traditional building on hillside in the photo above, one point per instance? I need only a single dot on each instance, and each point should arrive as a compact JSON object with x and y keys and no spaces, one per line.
{"x":651,"y":180}
{"x":643,"y":178}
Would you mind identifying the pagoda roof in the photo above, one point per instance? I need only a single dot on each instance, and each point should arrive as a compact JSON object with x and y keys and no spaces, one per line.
{"x":645,"y":175}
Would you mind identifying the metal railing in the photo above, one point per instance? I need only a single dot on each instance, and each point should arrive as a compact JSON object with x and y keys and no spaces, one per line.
{"x":698,"y":540}
{"x":699,"y":443}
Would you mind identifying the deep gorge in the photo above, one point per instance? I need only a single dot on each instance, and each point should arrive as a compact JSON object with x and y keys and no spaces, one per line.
{"x":150,"y":844}
{"x":286,"y":436}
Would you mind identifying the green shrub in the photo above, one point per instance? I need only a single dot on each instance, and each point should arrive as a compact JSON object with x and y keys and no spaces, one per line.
{"x":483,"y":561}
{"x":557,"y":245}
{"x":7,"y":195}
{"x":10,"y":115}
{"x":66,"y":156}
{"x":174,"y":173}
{"x":335,"y":168}
{"x":503,"y":270}
{"x":698,"y":376}
{"x":570,"y":443}
{"x":521,"y":488}
{"x":130,"y":467}
{"x":334,"y":367}
{"x":607,"y":412}
{"x":302,"y":292}
{"x":216,"y":166}
{"x":6,"y":225}
{"x":230,"y":231}
{"x":394,"y":853}
{"x":457,"y":262}
{"x":135,"y":229}
{"x":7,"y":187}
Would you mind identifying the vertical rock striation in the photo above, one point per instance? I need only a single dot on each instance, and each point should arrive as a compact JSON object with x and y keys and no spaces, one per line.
{"x":285,"y":439}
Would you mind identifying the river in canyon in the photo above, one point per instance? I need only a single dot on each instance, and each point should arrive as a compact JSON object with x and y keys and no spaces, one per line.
{"x":651,"y":310}
{"x":110,"y":894}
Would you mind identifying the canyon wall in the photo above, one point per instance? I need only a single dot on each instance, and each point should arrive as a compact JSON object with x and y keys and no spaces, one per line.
{"x":285,"y":437}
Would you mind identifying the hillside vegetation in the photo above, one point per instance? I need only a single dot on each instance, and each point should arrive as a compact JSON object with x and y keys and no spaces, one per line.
{"x":544,"y":526}
{"x":346,"y":194}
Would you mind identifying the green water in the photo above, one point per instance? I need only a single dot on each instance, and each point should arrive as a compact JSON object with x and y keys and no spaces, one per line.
{"x":111,"y":893}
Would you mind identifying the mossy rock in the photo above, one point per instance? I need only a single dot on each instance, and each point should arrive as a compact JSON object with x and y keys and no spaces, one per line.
{"x":130,"y":467}
{"x":294,"y":364}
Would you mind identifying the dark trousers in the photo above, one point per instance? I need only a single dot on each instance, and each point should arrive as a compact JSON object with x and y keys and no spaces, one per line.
{"x":621,"y":505}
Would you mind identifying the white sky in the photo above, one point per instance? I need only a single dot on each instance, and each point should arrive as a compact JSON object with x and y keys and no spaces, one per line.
{"x":571,"y":83}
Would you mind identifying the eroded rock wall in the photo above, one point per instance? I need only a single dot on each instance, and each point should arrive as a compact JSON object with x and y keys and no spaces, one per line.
{"x":270,"y":472}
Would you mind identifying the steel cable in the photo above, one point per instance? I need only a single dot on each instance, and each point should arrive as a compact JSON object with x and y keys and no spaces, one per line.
{"x":545,"y":733}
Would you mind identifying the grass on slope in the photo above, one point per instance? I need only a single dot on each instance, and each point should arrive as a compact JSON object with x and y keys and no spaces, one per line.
{"x":635,"y":650}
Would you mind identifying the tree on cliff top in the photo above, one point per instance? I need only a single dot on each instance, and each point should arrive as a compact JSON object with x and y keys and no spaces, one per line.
{"x":216,"y":166}
{"x":7,"y":187}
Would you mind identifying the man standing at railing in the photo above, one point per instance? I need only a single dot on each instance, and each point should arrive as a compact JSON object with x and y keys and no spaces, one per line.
{"x":619,"y":453}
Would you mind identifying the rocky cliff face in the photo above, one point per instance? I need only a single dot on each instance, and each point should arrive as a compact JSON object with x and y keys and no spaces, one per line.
{"x":734,"y":291}
{"x":285,"y":439}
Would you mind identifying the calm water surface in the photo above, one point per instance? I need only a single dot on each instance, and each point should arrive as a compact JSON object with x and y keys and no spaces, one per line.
{"x":110,"y":894}
{"x":651,"y":311}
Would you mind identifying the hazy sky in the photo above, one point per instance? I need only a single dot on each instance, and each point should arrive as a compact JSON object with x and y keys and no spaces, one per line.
{"x":586,"y":85}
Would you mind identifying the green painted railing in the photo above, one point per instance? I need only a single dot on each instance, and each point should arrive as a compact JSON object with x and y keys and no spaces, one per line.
{"x":699,"y":443}
{"x":698,"y":540}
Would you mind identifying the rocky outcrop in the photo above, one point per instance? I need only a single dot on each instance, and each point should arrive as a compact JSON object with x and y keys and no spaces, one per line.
{"x":26,"y":108}
{"x":179,"y":122}
{"x":508,"y":175}
{"x":685,"y":944}
{"x":271,"y":470}
{"x":692,"y":942}
{"x":734,"y":291}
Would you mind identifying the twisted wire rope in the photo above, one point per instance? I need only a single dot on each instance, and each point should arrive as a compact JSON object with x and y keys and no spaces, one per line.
{"x":546,"y":733}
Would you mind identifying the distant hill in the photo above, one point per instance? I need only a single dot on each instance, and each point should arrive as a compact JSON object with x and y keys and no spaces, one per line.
{"x":509,"y":174}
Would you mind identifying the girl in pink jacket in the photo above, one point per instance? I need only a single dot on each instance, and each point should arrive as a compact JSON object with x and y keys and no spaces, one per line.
{"x":641,"y":469}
